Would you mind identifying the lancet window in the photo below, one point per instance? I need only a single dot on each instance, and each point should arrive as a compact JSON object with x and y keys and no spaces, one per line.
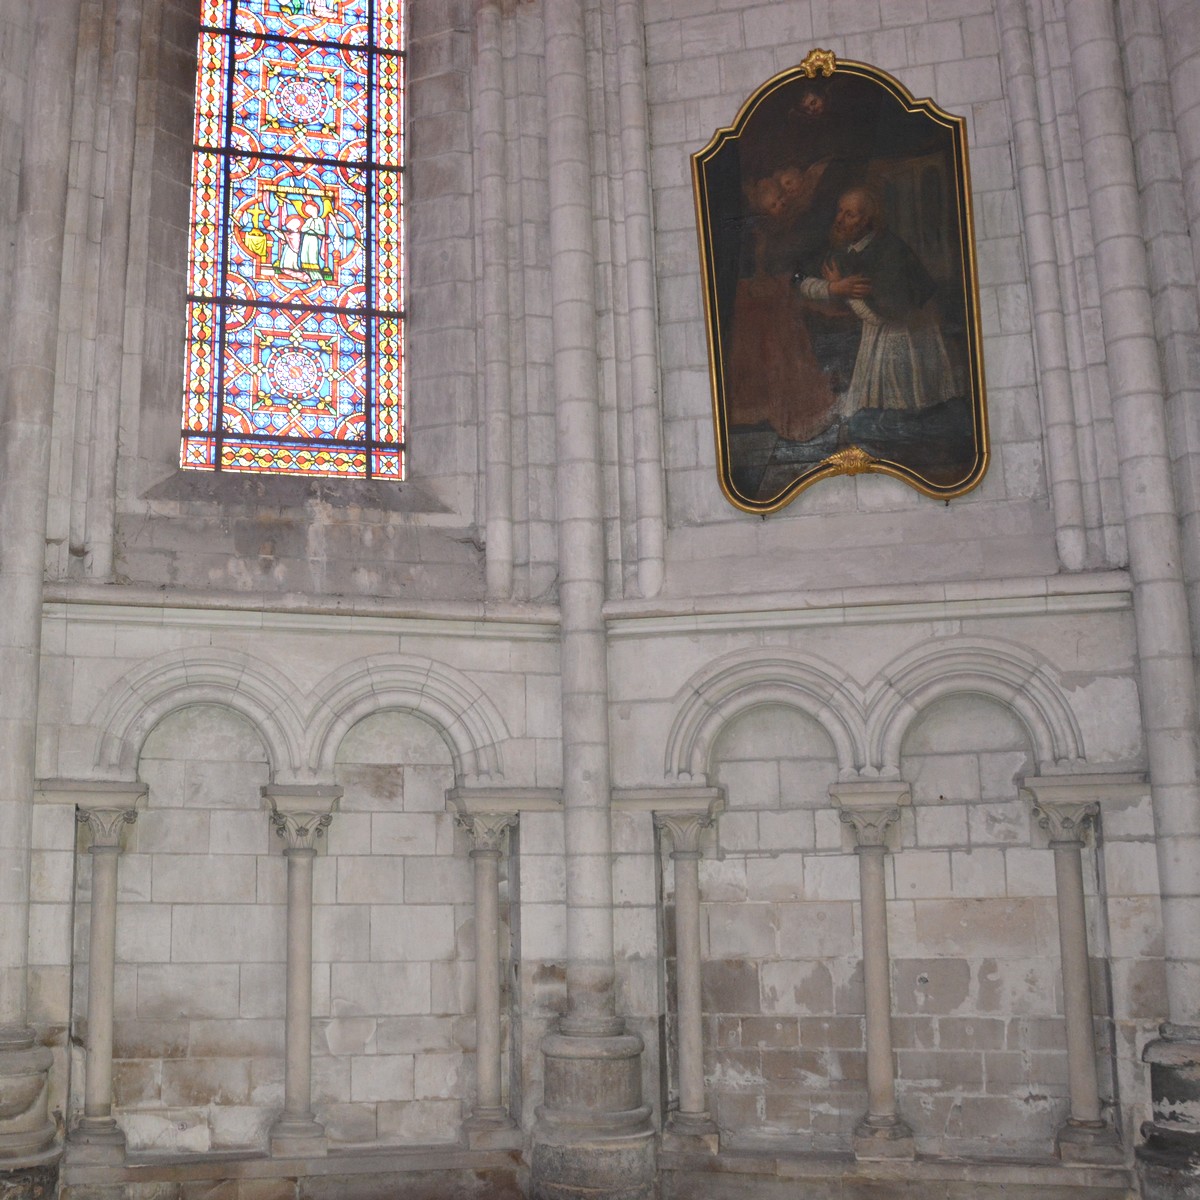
{"x":295,"y":336}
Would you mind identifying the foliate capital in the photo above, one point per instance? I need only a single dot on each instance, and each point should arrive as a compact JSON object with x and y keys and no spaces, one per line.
{"x":301,"y":814}
{"x":105,"y":824}
{"x":1065,"y":821}
{"x":487,"y":829}
{"x":685,"y":828}
{"x":870,"y":825}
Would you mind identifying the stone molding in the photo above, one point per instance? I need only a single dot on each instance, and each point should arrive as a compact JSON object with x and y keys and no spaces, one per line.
{"x":301,"y":741}
{"x":867,"y":724}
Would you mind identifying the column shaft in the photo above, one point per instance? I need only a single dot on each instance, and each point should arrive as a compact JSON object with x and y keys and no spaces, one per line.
{"x":870,"y":808}
{"x":1168,"y":684}
{"x":1077,"y":992}
{"x":102,"y":961}
{"x":487,"y":982}
{"x":687,"y":983}
{"x":297,"y":1083}
{"x":96,"y":1138}
{"x":300,"y":815}
{"x":493,"y":235}
{"x":590,"y":979}
{"x":881,"y":1092}
{"x":26,"y":410}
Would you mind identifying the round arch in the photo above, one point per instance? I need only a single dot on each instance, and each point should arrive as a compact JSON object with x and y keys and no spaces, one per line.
{"x":460,"y":710}
{"x":998,"y":671}
{"x":163,"y":685}
{"x":740,"y":682}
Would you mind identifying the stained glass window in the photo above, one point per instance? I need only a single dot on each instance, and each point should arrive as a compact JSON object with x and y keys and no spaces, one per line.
{"x":295,"y":337}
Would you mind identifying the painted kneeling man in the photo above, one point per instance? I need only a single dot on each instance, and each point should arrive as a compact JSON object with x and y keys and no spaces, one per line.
{"x":901,"y":362}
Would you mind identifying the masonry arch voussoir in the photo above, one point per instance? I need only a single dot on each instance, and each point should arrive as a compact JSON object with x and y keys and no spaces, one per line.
{"x":163,"y":685}
{"x":1011,"y":675}
{"x":458,"y":708}
{"x":740,"y":682}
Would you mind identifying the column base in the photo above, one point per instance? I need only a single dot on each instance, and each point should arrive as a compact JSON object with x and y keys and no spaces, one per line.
{"x":26,"y":1128}
{"x":593,"y":1135}
{"x":1168,"y":1163}
{"x":883,"y":1137}
{"x":298,"y":1137}
{"x":492,"y":1129}
{"x":1088,"y":1142}
{"x":691,"y":1133}
{"x":35,"y":1182}
{"x":96,"y":1140}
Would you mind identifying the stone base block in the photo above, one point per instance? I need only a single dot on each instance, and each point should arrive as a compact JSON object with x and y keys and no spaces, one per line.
{"x":1086,"y":1143}
{"x":493,"y":1131}
{"x":616,"y":1170}
{"x":891,"y":1139}
{"x":691,"y":1133}
{"x":30,"y":1183}
{"x":26,"y":1128}
{"x":1169,"y":1162}
{"x":292,"y":1138}
{"x":95,"y":1140}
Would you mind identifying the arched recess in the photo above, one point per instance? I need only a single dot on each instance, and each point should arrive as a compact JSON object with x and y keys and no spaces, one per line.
{"x":741,"y":681}
{"x":460,"y":710}
{"x":1006,"y":673}
{"x":177,"y":680}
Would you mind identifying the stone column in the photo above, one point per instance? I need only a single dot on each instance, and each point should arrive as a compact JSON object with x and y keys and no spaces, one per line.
{"x":869,"y":808}
{"x":692,"y":1120}
{"x":1061,"y":808}
{"x":492,"y":188}
{"x":489,"y":1125}
{"x":1165,"y":658}
{"x":594,"y":1125}
{"x":96,"y":1137}
{"x":300,"y":815}
{"x":38,"y":46}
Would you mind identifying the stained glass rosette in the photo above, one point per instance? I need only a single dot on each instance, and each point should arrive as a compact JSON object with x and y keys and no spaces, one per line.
{"x":295,"y":340}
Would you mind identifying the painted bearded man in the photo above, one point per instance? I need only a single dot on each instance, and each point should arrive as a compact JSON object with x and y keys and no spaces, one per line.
{"x":871,"y":273}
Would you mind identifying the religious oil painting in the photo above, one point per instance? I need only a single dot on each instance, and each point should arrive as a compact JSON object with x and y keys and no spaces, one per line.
{"x":836,"y":244}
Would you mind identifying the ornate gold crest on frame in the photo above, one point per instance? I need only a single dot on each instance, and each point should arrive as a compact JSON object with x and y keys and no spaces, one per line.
{"x":840,"y":292}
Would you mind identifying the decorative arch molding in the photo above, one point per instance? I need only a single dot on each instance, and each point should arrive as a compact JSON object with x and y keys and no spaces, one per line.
{"x":461,"y":711}
{"x":169,"y":682}
{"x":739,"y":682}
{"x":1024,"y":683}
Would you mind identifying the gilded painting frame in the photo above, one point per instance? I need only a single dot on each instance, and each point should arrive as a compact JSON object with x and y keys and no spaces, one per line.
{"x":840,"y":289}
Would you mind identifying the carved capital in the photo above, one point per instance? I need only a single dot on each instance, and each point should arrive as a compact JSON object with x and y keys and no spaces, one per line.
{"x":105,"y":824}
{"x":685,"y":828}
{"x":300,"y":815}
{"x":870,"y":825}
{"x":487,"y":829}
{"x":869,"y":807}
{"x":1065,"y":821}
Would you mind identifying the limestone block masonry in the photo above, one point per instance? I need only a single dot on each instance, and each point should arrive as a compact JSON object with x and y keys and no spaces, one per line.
{"x":543,"y":827}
